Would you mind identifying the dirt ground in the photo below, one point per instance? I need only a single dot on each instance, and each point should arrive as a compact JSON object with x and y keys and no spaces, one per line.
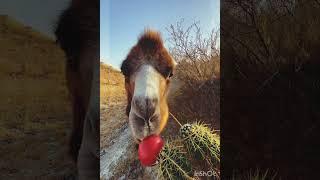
{"x":35,"y":114}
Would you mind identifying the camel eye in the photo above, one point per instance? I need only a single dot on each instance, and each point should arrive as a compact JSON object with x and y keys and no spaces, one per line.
{"x":169,"y":73}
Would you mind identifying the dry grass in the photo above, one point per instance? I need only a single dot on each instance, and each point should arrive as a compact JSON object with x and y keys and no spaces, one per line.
{"x":35,"y":114}
{"x":197,"y":99}
{"x":112,"y":103}
{"x":111,"y":84}
{"x":271,"y":69}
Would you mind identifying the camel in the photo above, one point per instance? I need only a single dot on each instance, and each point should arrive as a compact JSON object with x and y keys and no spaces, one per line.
{"x":148,"y":69}
{"x":77,"y":33}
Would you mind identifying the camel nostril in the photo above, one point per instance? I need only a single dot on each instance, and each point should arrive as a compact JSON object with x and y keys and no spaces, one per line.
{"x":151,"y":104}
{"x":145,"y":107}
{"x":140,"y":121}
{"x":154,"y":118}
{"x":151,"y":101}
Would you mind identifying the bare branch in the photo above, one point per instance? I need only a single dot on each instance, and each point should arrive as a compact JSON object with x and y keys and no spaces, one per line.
{"x":194,"y":51}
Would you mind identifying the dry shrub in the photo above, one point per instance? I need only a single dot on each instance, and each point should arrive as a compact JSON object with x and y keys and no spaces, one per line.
{"x":197,"y":74}
{"x":271,"y":84}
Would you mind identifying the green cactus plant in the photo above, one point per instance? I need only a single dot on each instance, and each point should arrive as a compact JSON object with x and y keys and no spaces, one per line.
{"x":201,"y":142}
{"x":173,"y":163}
{"x":196,"y":142}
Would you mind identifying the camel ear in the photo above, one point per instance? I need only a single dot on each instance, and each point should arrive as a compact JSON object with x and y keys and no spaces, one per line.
{"x":125,"y":69}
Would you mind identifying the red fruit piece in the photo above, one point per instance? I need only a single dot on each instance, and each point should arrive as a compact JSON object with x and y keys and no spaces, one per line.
{"x":149,"y":149}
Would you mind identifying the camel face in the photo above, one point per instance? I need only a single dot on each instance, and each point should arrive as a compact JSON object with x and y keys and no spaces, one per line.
{"x":147,"y":71}
{"x":145,"y":114}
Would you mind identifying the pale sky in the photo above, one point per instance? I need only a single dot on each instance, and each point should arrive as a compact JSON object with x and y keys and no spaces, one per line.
{"x":41,"y":15}
{"x":122,"y":21}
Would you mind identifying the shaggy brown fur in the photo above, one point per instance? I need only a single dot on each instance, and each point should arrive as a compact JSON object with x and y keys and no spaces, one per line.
{"x":76,"y":31}
{"x":148,"y":50}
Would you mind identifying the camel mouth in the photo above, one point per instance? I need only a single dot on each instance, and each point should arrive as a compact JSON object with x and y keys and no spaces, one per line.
{"x":138,"y":141}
